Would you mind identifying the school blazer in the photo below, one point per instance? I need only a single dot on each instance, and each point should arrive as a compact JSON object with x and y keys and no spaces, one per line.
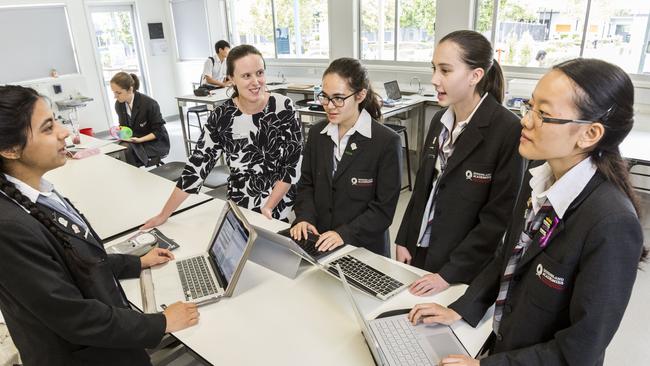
{"x":359,"y":201}
{"x":145,"y":118}
{"x":566,"y":300}
{"x":57,"y":319}
{"x":475,"y":196}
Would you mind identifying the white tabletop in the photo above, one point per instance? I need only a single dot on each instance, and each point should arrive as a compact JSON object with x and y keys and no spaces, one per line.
{"x":114,"y":196}
{"x":272,"y":319}
{"x":636,"y":146}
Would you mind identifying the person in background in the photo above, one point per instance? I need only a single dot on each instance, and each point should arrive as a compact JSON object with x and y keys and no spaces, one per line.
{"x":59,"y":290}
{"x":351,"y":172}
{"x":259,"y":135}
{"x":564,"y":275}
{"x":469,"y":172}
{"x":215,"y":73}
{"x":141,"y":114}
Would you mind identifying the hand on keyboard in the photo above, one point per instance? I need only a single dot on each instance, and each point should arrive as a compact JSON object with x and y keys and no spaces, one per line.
{"x":301,"y":230}
{"x":328,"y":241}
{"x":433,"y":313}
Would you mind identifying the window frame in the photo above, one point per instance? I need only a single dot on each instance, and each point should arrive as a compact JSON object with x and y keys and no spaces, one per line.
{"x":637,"y":77}
{"x":394,"y":61}
{"x":275,"y":59}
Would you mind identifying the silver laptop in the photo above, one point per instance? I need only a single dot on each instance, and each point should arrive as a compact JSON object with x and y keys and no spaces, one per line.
{"x":366,"y":271}
{"x":394,"y":341}
{"x":208,"y":277}
{"x":392,"y":91}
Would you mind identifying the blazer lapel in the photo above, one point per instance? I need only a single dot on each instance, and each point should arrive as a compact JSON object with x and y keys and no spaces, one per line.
{"x":69,"y":226}
{"x":325,"y":153}
{"x":355,"y":147}
{"x":430,"y":156}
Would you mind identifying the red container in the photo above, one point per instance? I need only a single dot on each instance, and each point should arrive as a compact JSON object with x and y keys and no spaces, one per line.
{"x":87,"y":131}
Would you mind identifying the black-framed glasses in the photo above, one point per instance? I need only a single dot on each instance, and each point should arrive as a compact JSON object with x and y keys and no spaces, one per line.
{"x":337,"y":101}
{"x":538,"y":119}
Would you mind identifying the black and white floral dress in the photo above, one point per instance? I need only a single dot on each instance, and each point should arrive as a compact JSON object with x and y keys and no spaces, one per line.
{"x":260,"y":150}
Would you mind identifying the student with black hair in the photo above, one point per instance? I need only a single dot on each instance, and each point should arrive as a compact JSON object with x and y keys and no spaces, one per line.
{"x":564,"y":275}
{"x":351,"y":176}
{"x":59,"y":290}
{"x":142,"y":115}
{"x":469,"y":170}
{"x":215,"y":70}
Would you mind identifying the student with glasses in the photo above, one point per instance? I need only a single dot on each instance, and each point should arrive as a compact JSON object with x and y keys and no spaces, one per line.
{"x":351,"y":172}
{"x":563,"y":277}
{"x":469,"y":170}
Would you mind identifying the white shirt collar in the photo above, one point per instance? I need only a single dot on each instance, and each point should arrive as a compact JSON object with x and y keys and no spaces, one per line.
{"x":46,"y":188}
{"x":449,"y":116}
{"x":363,"y":125}
{"x":560,"y":193}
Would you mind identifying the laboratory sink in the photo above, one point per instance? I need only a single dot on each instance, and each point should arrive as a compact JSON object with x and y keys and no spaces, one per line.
{"x":275,"y":83}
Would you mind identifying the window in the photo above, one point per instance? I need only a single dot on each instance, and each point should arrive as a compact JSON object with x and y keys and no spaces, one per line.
{"x":191,"y":29}
{"x":411,"y":22}
{"x":541,"y":33}
{"x":281,"y":28}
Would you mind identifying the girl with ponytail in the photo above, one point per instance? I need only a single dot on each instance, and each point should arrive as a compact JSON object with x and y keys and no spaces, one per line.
{"x":469,"y":170}
{"x":351,"y":169}
{"x":59,"y":292}
{"x":563,"y":277}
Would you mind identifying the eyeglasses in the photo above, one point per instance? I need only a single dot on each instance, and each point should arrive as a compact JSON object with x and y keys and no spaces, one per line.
{"x":337,"y":101}
{"x":538,"y":119}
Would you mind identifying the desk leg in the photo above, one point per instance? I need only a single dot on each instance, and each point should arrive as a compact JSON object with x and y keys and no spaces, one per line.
{"x":181,"y":116}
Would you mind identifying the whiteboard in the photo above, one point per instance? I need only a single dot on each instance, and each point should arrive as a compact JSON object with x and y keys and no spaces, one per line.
{"x":191,"y":29}
{"x":35,"y":39}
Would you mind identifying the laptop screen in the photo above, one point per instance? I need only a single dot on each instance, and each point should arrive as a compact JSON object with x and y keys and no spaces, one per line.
{"x":392,"y":90}
{"x":229,"y":246}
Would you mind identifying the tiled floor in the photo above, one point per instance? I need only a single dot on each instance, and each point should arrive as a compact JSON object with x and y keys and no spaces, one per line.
{"x":629,"y":346}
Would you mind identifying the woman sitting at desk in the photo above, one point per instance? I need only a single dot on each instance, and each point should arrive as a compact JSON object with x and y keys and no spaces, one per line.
{"x":260,"y":136}
{"x":565,"y":272}
{"x":351,"y":175}
{"x":59,"y":292}
{"x":142,"y":114}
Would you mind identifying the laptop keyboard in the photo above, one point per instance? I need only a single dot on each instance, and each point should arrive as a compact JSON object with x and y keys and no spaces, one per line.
{"x":401,"y":340}
{"x":366,"y":277}
{"x":196,"y":278}
{"x":309,"y":244}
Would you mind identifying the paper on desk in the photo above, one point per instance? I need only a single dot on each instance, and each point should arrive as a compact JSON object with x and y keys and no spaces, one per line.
{"x":300,"y":86}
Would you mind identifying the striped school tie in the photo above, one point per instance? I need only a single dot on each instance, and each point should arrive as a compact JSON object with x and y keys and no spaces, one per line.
{"x":533,"y":224}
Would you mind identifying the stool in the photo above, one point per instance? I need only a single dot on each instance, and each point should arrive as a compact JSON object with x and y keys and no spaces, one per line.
{"x":198,"y":110}
{"x":402,"y":129}
{"x":172,"y":171}
{"x":155,"y":160}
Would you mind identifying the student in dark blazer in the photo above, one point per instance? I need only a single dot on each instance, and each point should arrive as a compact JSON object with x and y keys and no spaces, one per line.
{"x":563,"y":277}
{"x":469,"y":169}
{"x":59,"y":292}
{"x":142,"y":114}
{"x":350,"y":176}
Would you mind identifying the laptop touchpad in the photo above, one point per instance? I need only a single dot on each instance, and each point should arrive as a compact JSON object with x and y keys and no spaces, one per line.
{"x":444,"y":345}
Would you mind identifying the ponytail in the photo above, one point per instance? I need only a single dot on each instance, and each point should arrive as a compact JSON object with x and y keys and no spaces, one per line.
{"x":493,"y":82}
{"x":77,"y":266}
{"x":371,"y":103}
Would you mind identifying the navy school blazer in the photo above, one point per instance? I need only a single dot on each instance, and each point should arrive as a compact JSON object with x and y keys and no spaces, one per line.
{"x":145,"y":118}
{"x":566,"y":300}
{"x":359,"y":201}
{"x":57,"y":319}
{"x":476,"y":193}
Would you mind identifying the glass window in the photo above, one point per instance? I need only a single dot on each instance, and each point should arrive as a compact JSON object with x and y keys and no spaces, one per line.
{"x":300,"y":28}
{"x":415,"y":30}
{"x":541,"y":33}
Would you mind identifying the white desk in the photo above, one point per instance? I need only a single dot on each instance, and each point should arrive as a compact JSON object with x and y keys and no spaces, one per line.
{"x":636,"y":150}
{"x":274,"y":320}
{"x":107,"y":147}
{"x":114,"y":196}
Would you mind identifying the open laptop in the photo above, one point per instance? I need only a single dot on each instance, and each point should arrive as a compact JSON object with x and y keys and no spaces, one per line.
{"x":395,"y":341}
{"x":208,"y":277}
{"x":368,"y":272}
{"x":392,"y":91}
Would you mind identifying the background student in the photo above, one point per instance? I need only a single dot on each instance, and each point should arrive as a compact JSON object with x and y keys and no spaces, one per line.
{"x":566,"y":270}
{"x":351,"y":176}
{"x":215,"y":73}
{"x":59,"y":292}
{"x":260,"y":136}
{"x":469,"y":172}
{"x":142,"y":114}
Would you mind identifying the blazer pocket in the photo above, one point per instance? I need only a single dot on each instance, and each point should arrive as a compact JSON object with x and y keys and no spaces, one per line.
{"x":549,"y":283}
{"x":361,"y":186}
{"x":476,"y":183}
